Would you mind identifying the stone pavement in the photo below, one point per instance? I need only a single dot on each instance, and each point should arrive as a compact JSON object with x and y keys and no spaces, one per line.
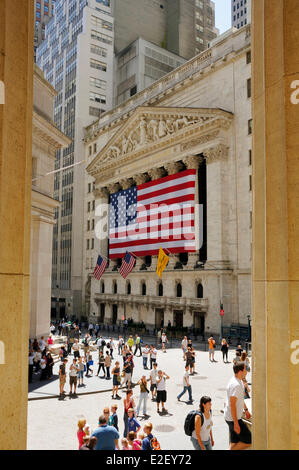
{"x":52,"y":423}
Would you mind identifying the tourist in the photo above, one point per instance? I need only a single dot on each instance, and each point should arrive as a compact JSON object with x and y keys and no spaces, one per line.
{"x":202,"y":436}
{"x":212,"y":346}
{"x":161,"y":390}
{"x":101,"y":363}
{"x":42,"y":344}
{"x":74,"y":369}
{"x":106,"y":413}
{"x":145,"y":354}
{"x":133,"y":424}
{"x":86,"y":344}
{"x":153,"y":355}
{"x":133,"y":442}
{"x":244,"y":358}
{"x":239,"y":349}
{"x":125,"y":444}
{"x":62,"y":377}
{"x":128,"y":403}
{"x":111,"y":347}
{"x":80,"y":432}
{"x":97,"y":329}
{"x":102,"y":343}
{"x":88,"y":443}
{"x":107,"y":364}
{"x":143,"y":395}
{"x":116,"y":380}
{"x":125,"y":350}
{"x":187,"y":386}
{"x":76,"y":349}
{"x":50,"y":341}
{"x":192,"y":364}
{"x":43,"y":366}
{"x":164,"y":340}
{"x":90,"y":329}
{"x":35,"y":346}
{"x":37,"y":359}
{"x":52,"y":328}
{"x":30,"y":366}
{"x":138,"y":346}
{"x":113,"y":418}
{"x":149,"y":442}
{"x":107,"y":436}
{"x":128,"y":369}
{"x":130,"y":342}
{"x":153,"y":379}
{"x":184,"y":347}
{"x":224,"y":350}
{"x":240,"y":436}
{"x":120,"y":345}
{"x":49,"y":366}
{"x":81,"y":371}
{"x":63,"y":353}
{"x":237,"y":358}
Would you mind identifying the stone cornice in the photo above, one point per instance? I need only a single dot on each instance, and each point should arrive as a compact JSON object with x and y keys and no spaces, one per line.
{"x":48,"y":132}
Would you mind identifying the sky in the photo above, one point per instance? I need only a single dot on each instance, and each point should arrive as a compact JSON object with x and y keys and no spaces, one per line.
{"x":223,"y":15}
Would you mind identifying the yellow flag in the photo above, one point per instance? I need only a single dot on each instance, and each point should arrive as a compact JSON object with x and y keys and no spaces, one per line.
{"x":162,"y":262}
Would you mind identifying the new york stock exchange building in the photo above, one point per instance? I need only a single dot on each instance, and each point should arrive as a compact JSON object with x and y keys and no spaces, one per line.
{"x":185,"y":140}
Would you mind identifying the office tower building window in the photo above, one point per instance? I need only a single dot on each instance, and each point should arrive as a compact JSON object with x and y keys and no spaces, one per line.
{"x":101,"y":37}
{"x":97,"y":98}
{"x":97,"y":83}
{"x":95,"y":64}
{"x":250,"y":126}
{"x":98,"y":50}
{"x":249,"y":88}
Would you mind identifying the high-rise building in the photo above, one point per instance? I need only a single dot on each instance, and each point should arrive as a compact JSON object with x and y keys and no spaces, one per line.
{"x":77,"y":59}
{"x":241,"y":13}
{"x":183,"y":27}
{"x":43,"y":12}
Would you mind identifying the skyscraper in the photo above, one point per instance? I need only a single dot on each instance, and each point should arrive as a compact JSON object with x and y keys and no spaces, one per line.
{"x":241,"y":13}
{"x":43,"y":12}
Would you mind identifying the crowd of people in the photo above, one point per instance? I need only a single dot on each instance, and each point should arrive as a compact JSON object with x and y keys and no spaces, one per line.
{"x":198,"y":423}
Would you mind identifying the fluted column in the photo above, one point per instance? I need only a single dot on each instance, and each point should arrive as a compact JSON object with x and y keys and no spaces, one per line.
{"x":101,"y":220}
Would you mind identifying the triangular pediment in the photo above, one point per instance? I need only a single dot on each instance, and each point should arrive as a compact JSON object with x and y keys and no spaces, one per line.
{"x":152,"y":127}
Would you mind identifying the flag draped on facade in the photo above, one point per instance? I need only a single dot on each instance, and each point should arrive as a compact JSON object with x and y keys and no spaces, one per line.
{"x":158,"y":213}
{"x":100,"y":267}
{"x":127,"y":265}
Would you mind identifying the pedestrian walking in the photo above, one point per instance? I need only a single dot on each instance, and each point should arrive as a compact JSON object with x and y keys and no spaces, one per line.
{"x":143,"y":395}
{"x":224,"y":350}
{"x":128,"y":370}
{"x":184,"y":346}
{"x":81,"y":372}
{"x":186,"y":386}
{"x":202,"y":436}
{"x":145,"y":355}
{"x":138,"y":345}
{"x":164,"y":340}
{"x":153,"y":355}
{"x":111,"y":347}
{"x":212,"y":346}
{"x":192,"y":364}
{"x":128,"y":404}
{"x":89,"y":363}
{"x":130,"y":342}
{"x":30,"y":366}
{"x":49,"y":366}
{"x":120,"y":345}
{"x":116,"y":380}
{"x":90,"y":329}
{"x":62,"y":377}
{"x":101,"y":363}
{"x":107,"y":365}
{"x":113,"y":419}
{"x":239,"y":434}
{"x":153,"y":379}
{"x":74,"y":370}
{"x":76,"y":349}
{"x":161,"y":390}
{"x":43,"y":366}
{"x":133,"y":424}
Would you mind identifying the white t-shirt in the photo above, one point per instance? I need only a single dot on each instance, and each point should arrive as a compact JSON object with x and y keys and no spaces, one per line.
{"x":154,"y":353}
{"x":145,"y":352}
{"x":42,"y":344}
{"x":153,"y":376}
{"x":30,"y":360}
{"x":163,"y":338}
{"x":76,"y":346}
{"x":185,"y":379}
{"x":205,"y":429}
{"x":73,"y":370}
{"x":235,"y":388}
{"x":161,"y":386}
{"x":184,"y":343}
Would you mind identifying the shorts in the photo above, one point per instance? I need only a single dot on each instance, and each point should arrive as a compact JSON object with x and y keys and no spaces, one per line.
{"x":80,"y":374}
{"x":161,"y":396}
{"x":128,"y":377}
{"x":62,"y":379}
{"x":153,"y":387}
{"x":76,"y":354}
{"x":73,"y":380}
{"x":244,"y":436}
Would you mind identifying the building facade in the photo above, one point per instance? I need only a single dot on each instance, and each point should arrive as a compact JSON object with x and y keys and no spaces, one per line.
{"x":197,"y":117}
{"x":46,"y":140}
{"x":241,"y":13}
{"x":43,"y":12}
{"x":77,"y":59}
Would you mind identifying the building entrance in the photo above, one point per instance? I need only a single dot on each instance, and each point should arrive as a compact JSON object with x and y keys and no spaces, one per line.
{"x":114,"y":314}
{"x":102,"y":313}
{"x":159,"y":318}
{"x":178,"y":318}
{"x":199,"y":322}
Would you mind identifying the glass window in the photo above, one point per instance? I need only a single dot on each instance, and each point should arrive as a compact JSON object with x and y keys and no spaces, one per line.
{"x":97,"y":83}
{"x":104,"y":2}
{"x":101,"y":37}
{"x":95,"y":64}
{"x":249,"y":88}
{"x":97,"y":98}
{"x":250,"y":126}
{"x":98,"y":50}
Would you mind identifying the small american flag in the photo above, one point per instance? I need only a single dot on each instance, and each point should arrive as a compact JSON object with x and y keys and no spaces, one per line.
{"x":127,"y":265}
{"x":100,"y":268}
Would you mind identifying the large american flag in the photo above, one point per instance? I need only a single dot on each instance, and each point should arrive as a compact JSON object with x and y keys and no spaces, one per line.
{"x":152,"y":215}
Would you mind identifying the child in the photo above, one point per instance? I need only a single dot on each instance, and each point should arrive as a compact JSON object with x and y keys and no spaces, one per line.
{"x":89,"y":362}
{"x":107,"y":365}
{"x":125,"y":444}
{"x":134,"y":443}
{"x":81,"y":433}
{"x":113,"y":419}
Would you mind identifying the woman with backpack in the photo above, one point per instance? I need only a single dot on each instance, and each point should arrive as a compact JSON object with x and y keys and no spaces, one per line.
{"x":202,"y":436}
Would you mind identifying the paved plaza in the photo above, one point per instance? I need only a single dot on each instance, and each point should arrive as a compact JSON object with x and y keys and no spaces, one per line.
{"x":52,"y":423}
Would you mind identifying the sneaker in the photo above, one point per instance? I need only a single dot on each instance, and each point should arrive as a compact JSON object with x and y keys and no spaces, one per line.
{"x":178,"y":399}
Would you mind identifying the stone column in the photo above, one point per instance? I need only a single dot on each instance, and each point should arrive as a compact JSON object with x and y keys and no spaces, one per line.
{"x":275,"y":225}
{"x":102,"y":220}
{"x":16,"y":72}
{"x":215,"y":216}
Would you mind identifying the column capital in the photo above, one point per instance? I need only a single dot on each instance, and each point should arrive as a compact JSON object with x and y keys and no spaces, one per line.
{"x":156,"y":173}
{"x":101,"y":192}
{"x":126,"y":183}
{"x":140,"y":179}
{"x":192,"y":162}
{"x":220,"y":152}
{"x":113,"y":188}
{"x":173,"y":167}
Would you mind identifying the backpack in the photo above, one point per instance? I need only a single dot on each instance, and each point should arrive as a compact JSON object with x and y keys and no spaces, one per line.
{"x":154,"y":444}
{"x":189,"y":425}
{"x":108,"y":345}
{"x":103,"y":343}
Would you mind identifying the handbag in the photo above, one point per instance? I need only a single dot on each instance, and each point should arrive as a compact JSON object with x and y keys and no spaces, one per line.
{"x":119,"y":379}
{"x":123,"y":373}
{"x":90,"y":363}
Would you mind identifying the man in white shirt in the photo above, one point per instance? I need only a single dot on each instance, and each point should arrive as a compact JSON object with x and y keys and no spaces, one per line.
{"x":161,"y":390}
{"x":184,"y":347}
{"x":42,"y":344}
{"x":76,"y":349}
{"x":240,"y":436}
{"x":153,"y":355}
{"x":187,"y":386}
{"x":74,"y":370}
{"x":145,"y":354}
{"x":153,"y":378}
